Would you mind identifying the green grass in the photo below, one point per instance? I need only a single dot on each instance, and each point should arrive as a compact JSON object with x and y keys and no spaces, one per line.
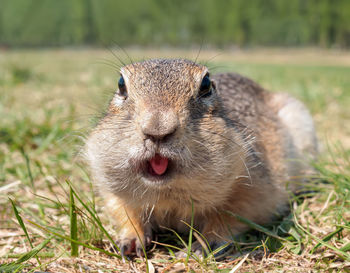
{"x":48,"y":206}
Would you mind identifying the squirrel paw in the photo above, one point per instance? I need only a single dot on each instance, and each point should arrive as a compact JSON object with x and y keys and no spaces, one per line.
{"x":132,"y":245}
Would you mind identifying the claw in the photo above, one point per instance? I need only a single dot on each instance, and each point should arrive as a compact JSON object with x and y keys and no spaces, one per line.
{"x":139,"y":252}
{"x":131,"y":245}
{"x":148,"y":240}
{"x":123,"y":249}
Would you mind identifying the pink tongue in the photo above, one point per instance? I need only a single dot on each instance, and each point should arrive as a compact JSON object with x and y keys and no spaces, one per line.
{"x":159,"y":164}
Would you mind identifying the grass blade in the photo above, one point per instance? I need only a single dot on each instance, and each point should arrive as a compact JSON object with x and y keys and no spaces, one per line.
{"x":71,"y":240}
{"x":202,"y":237}
{"x":73,"y":224}
{"x":95,"y":218}
{"x":255,"y":226}
{"x":327,"y":238}
{"x":31,"y":179}
{"x":342,"y":254}
{"x":190,"y":235}
{"x":176,"y":234}
{"x":346,"y":247}
{"x":34,"y":251}
{"x":11,"y":267}
{"x":18,"y":265}
{"x":20,"y":221}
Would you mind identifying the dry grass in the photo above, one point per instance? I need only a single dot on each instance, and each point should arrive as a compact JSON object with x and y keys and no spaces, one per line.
{"x":47,"y":101}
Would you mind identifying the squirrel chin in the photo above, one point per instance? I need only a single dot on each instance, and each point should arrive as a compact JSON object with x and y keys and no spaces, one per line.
{"x":156,"y":182}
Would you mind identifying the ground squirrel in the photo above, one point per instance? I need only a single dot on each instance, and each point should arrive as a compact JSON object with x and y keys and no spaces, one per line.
{"x":174,"y":136}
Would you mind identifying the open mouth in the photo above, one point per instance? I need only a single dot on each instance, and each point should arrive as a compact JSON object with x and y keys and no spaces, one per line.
{"x":158,"y":167}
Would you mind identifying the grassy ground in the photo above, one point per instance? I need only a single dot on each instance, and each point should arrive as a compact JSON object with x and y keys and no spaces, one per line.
{"x":48,"y":100}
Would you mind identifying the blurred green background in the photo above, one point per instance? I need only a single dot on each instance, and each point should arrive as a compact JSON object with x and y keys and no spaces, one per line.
{"x":220,"y":23}
{"x":57,"y":77}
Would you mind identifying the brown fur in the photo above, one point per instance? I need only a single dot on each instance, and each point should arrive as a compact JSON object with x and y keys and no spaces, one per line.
{"x":230,"y":152}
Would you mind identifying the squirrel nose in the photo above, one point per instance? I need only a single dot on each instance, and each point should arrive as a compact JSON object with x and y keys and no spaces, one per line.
{"x":159,"y":125}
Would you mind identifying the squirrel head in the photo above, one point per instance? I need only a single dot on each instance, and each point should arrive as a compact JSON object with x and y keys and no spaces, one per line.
{"x":164,"y":127}
{"x":157,"y":93}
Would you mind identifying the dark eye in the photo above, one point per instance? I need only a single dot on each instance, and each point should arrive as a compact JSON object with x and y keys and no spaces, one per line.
{"x":205,"y":89}
{"x":122,"y":87}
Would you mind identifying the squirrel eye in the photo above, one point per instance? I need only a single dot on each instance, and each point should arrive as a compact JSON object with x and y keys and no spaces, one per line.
{"x":205,"y":89}
{"x":122,"y":86}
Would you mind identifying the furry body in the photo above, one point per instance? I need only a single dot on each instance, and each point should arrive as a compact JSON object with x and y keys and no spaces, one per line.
{"x":232,"y":149}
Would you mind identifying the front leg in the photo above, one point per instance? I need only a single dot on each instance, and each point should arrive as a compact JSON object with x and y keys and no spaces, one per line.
{"x":134,"y":234}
